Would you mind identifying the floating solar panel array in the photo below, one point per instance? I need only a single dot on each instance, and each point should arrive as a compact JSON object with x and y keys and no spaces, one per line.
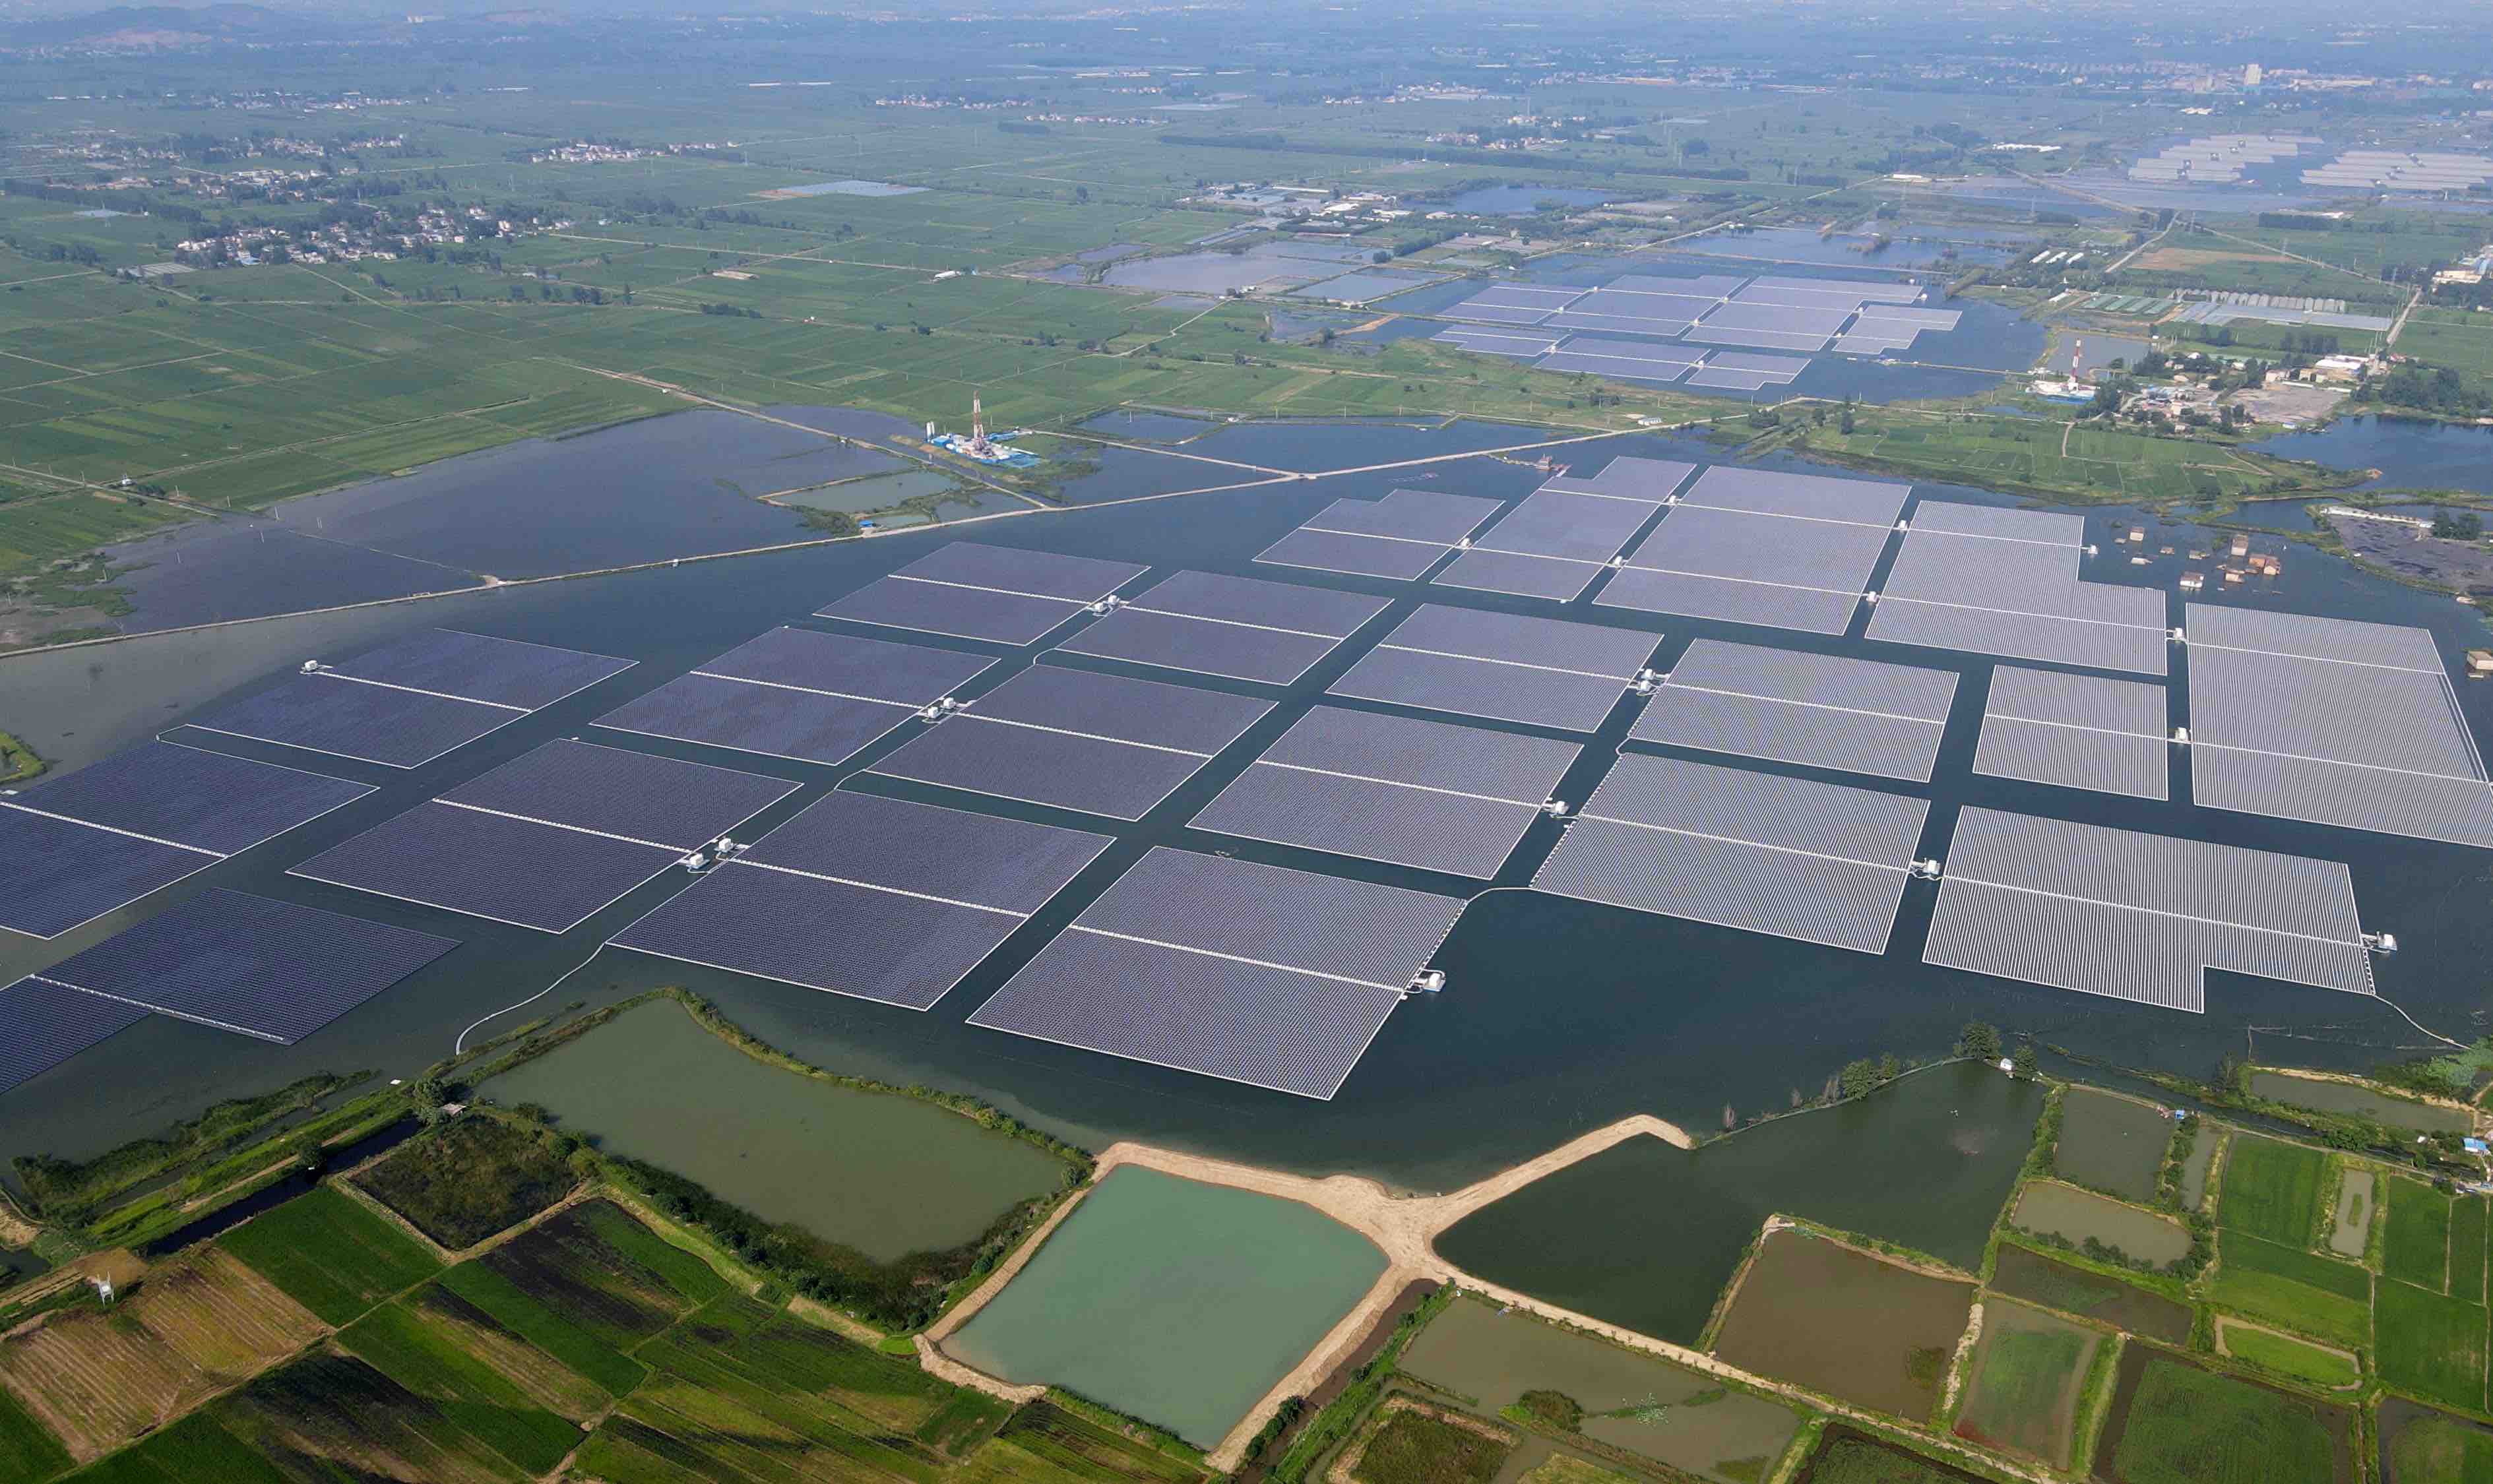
{"x":2334,"y":722}
{"x":993,"y":593}
{"x":1986,"y":580}
{"x":548,"y":838}
{"x":1772,"y":326}
{"x":1622,"y":360}
{"x":1515,"y":303}
{"x":1553,"y":544}
{"x":2217,"y":158}
{"x":1250,"y":973}
{"x":1241,"y":628}
{"x":799,"y":694}
{"x":411,"y":699}
{"x":45,"y":1024}
{"x":1819,"y":711}
{"x":2079,"y":732}
{"x":2139,"y":917}
{"x":1521,"y":344}
{"x":1077,"y":739}
{"x":873,"y":898}
{"x":1401,"y":536}
{"x":1760,"y":546}
{"x":1886,"y":326}
{"x":2381,"y":170}
{"x":1738,"y":371}
{"x":1786,"y":856}
{"x":75,"y":848}
{"x":1465,"y":661}
{"x":272,"y":971}
{"x":1425,"y":795}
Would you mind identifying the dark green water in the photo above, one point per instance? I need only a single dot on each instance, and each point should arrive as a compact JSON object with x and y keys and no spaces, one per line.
{"x":1559,"y":1016}
{"x":1645,"y":1234}
{"x":887,"y":1174}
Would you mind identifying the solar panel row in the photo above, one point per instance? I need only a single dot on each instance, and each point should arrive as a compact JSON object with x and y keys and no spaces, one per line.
{"x":1239,"y":627}
{"x":1822,"y":711}
{"x":1761,"y":547}
{"x":997,"y":594}
{"x":869,"y":897}
{"x":1401,"y":536}
{"x":1551,"y":546}
{"x":75,"y":848}
{"x":1501,"y":666}
{"x":2079,"y":732}
{"x":412,"y":700}
{"x":1993,"y":580}
{"x":48,"y":1025}
{"x":799,"y":693}
{"x":2139,"y":917}
{"x":1224,"y":967}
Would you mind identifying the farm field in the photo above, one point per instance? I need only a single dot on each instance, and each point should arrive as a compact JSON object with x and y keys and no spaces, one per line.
{"x":469,"y":1179}
{"x":2310,"y":1294}
{"x":2272,"y":1189}
{"x":2289,"y":1357}
{"x":2429,"y":1345}
{"x":2174,"y":1423}
{"x":330,"y":1254}
{"x":1410,"y":1443}
{"x":2023,"y":1392}
{"x":2416,"y":1250}
{"x":2421,"y":1445}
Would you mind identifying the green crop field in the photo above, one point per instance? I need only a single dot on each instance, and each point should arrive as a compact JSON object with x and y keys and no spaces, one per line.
{"x":199,"y":1447}
{"x":494,"y":1386}
{"x":2290,"y":1358}
{"x":2458,"y":339}
{"x":542,"y":1327}
{"x":2430,"y":1448}
{"x":2023,"y":1389}
{"x":2293,"y":1288}
{"x":2188,"y":1426}
{"x":330,"y":1254}
{"x":2417,"y":1249}
{"x":1413,"y":1448}
{"x":470,"y":1178}
{"x":2432,"y":1346}
{"x":2272,"y":1189}
{"x":2467,"y":1239}
{"x":27,"y":1449}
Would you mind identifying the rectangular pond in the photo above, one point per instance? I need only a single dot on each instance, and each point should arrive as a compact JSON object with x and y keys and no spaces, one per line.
{"x":2349,"y":1098}
{"x":2080,"y":1216}
{"x":1838,"y":1320}
{"x":2110,"y":1143}
{"x":1172,"y":1300}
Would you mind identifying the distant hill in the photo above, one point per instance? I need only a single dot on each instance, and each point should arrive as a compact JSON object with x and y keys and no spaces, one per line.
{"x":162,"y":25}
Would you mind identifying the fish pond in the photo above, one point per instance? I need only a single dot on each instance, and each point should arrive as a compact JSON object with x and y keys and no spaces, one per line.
{"x":1838,"y":1320}
{"x":2023,"y":1392}
{"x":2021,"y":1272}
{"x":882,"y":1173}
{"x":1926,"y":1162}
{"x":2078,"y":1217}
{"x":2348,"y":1098}
{"x":2351,"y":1224}
{"x":2110,"y":1143}
{"x":1491,"y":1358}
{"x":1172,"y":1300}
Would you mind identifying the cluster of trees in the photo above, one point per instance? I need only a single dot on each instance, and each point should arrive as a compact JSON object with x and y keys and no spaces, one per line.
{"x":2434,"y":389}
{"x":737,"y":311}
{"x":2457,"y":525}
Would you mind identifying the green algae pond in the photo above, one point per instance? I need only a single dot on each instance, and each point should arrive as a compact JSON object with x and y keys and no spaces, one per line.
{"x":2023,"y":1392}
{"x":1926,"y":1162}
{"x":882,"y":1173}
{"x":2110,"y":1143}
{"x":2029,"y":1275}
{"x":1172,"y":1300}
{"x":2077,"y":1216}
{"x":1492,"y":1356}
{"x":2338,"y":1097}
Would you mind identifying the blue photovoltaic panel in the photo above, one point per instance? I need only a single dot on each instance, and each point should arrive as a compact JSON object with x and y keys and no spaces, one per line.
{"x":765,"y":720}
{"x":347,"y":719}
{"x":663,"y":801}
{"x":1011,"y":865}
{"x":824,"y":935}
{"x":1416,"y":793}
{"x":478,"y":667}
{"x":55,"y":875}
{"x":1501,"y":666}
{"x":1412,"y":514}
{"x":187,"y":796}
{"x":1557,"y":522}
{"x":1367,"y":556}
{"x":1242,"y":1023}
{"x":1224,"y":967}
{"x":1557,"y":579}
{"x":940,"y":607}
{"x":532,"y":876}
{"x":1008,"y":568}
{"x":1242,"y":628}
{"x":43,"y":1026}
{"x":845,"y":665}
{"x":1076,"y":740}
{"x":250,"y":965}
{"x":796,"y":693}
{"x":869,"y":897}
{"x":977,"y":591}
{"x":1820,"y":711}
